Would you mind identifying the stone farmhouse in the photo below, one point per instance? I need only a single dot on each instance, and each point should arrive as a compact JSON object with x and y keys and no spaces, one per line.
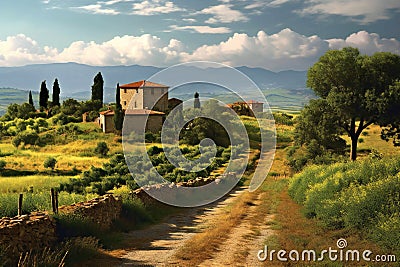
{"x":255,"y":106}
{"x":146,"y":100}
{"x":140,"y":100}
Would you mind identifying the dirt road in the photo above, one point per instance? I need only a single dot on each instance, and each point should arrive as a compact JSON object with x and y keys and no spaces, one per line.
{"x":163,"y":244}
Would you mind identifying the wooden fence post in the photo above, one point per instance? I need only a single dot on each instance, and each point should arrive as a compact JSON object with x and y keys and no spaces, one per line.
{"x":53,"y":200}
{"x":56,"y":201}
{"x":21,"y":197}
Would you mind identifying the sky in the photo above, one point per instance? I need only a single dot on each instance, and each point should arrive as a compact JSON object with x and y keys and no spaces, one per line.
{"x":272,"y":34}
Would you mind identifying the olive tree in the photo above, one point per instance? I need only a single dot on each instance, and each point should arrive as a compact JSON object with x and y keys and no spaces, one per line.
{"x":358,"y":90}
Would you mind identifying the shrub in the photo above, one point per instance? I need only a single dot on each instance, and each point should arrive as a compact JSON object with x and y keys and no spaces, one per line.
{"x":3,"y":164}
{"x":26,"y":137}
{"x":362,"y":195}
{"x":101,"y":149}
{"x":50,"y":163}
{"x":46,"y":139}
{"x":283,"y":118}
{"x":154,"y":150}
{"x":17,"y":141}
{"x":313,"y":153}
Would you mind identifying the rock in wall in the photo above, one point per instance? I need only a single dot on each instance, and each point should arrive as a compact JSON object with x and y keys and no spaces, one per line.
{"x":102,"y":210}
{"x":32,"y":231}
{"x":144,"y":194}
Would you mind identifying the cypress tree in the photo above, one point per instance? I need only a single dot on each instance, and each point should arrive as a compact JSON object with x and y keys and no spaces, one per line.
{"x":31,"y":99}
{"x":97,"y":89}
{"x":43,"y":95}
{"x":118,"y":113}
{"x":56,"y":93}
{"x":196,"y":100}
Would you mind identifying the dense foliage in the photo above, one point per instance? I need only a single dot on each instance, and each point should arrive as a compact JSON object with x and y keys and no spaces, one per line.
{"x":242,"y":109}
{"x":203,"y":127}
{"x":356,"y":91}
{"x":361,"y":195}
{"x":116,"y":173}
{"x":283,"y":118}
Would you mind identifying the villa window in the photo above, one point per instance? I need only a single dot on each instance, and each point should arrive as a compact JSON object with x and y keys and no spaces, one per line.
{"x":124,"y":103}
{"x":124,"y":91}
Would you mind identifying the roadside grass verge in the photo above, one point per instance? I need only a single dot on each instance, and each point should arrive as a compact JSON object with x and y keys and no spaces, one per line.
{"x":299,"y":233}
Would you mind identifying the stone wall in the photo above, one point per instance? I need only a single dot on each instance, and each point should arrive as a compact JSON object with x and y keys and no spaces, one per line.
{"x":169,"y":189}
{"x":101,"y":211}
{"x":38,"y":229}
{"x":23,"y":233}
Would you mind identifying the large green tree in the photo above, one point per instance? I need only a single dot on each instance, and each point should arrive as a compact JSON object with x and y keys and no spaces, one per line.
{"x":391,"y":129}
{"x":43,"y":95}
{"x":97,"y":89}
{"x":357,"y":88}
{"x":56,"y":93}
{"x":118,"y":113}
{"x":317,"y":121}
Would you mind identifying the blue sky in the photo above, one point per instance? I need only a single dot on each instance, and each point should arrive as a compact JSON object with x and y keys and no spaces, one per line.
{"x":273,"y":34}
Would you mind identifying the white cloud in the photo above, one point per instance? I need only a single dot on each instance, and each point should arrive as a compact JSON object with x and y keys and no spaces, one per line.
{"x":283,"y":50}
{"x":276,"y":3}
{"x":280,"y":51}
{"x":152,"y":7}
{"x":223,"y":14}
{"x":363,"y":11}
{"x":21,"y":50}
{"x":125,"y":50}
{"x":190,"y":20}
{"x":255,"y":5}
{"x":367,"y":43}
{"x":97,"y":9}
{"x":113,"y":2}
{"x":201,"y":29}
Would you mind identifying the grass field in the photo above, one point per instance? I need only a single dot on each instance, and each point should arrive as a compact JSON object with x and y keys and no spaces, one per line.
{"x":370,"y":140}
{"x":78,"y":154}
{"x":32,"y":183}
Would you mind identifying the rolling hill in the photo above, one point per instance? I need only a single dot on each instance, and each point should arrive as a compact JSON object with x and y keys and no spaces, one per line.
{"x":284,"y":90}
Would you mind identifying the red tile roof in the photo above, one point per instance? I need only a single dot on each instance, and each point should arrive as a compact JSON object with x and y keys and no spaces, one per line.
{"x":142,"y":84}
{"x":107,"y":112}
{"x":143,"y":112}
{"x":254,"y":102}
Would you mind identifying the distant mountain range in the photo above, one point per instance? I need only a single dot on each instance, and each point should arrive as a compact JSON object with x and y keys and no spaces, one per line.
{"x":76,"y":79}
